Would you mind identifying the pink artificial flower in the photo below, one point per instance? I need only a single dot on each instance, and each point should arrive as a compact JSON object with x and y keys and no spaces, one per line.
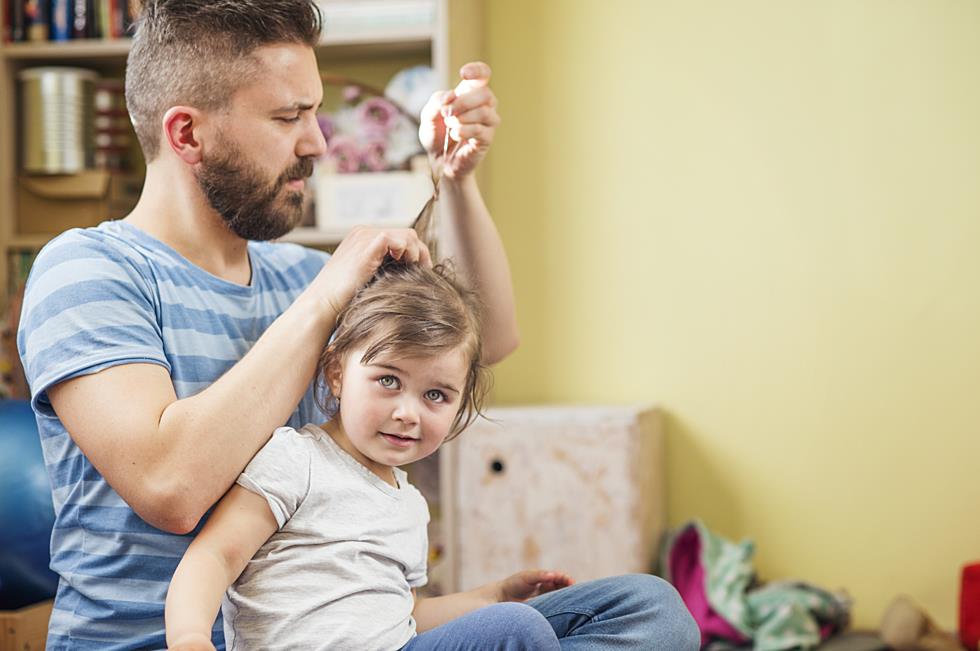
{"x":326,"y":125}
{"x":373,"y":156}
{"x":351,"y":94}
{"x":377,"y":116}
{"x":344,"y":151}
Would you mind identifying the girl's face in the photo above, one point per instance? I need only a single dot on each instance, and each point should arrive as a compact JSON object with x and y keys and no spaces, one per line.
{"x":394,"y":411}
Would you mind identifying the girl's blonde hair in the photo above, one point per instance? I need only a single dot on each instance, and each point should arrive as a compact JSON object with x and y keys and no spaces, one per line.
{"x":409,"y":310}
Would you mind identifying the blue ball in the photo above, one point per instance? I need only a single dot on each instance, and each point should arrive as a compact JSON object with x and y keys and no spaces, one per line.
{"x":26,"y":510}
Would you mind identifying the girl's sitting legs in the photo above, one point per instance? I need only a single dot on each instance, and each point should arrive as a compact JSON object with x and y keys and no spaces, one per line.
{"x":507,"y":626}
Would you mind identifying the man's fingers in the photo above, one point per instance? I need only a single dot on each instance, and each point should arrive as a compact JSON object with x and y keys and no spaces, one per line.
{"x":478,"y":132}
{"x":476,"y":70}
{"x":473,"y":99}
{"x":480,"y":115}
{"x":403,"y":245}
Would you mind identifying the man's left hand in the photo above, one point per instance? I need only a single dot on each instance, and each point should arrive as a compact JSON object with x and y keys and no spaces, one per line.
{"x":472,"y":116}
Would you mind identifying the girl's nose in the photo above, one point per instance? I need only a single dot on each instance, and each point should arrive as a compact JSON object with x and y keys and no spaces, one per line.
{"x":406,"y":411}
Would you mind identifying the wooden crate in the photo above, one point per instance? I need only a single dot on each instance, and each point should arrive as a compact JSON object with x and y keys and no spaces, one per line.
{"x":25,"y":629}
{"x":579,"y":489}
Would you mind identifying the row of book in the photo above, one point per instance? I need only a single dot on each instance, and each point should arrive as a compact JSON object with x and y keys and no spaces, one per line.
{"x":65,"y":20}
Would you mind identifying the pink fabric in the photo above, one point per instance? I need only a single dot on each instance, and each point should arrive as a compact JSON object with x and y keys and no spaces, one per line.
{"x":687,"y":574}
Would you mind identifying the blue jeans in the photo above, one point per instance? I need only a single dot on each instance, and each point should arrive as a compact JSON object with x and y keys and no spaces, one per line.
{"x":636,"y":611}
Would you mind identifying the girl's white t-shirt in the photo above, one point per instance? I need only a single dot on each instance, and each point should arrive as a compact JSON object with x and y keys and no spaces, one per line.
{"x":339,"y":572}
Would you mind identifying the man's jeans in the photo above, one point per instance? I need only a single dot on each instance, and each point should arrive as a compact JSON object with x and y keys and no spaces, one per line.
{"x":636,"y":611}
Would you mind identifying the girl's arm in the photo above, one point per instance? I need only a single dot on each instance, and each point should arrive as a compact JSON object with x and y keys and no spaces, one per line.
{"x":239,"y":525}
{"x":436,"y":611}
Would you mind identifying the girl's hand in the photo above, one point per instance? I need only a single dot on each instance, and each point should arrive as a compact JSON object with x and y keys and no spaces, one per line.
{"x":531,"y":583}
{"x":192,"y":642}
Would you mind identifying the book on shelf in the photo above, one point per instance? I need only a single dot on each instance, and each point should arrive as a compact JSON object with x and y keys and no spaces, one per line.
{"x":36,"y":14}
{"x":60,"y":27}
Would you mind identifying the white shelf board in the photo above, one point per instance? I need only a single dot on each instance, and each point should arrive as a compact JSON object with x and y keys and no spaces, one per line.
{"x":309,"y":236}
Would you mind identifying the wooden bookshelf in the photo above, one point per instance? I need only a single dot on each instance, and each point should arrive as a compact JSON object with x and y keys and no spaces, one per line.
{"x":372,"y":55}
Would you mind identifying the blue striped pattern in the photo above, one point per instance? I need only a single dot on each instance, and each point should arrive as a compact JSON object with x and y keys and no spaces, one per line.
{"x":111,"y":295}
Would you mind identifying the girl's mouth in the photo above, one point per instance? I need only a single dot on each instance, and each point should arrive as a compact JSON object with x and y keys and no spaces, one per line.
{"x":398,"y":441}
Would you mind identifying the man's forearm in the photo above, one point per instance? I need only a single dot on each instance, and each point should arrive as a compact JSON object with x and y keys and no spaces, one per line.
{"x":212,"y":435}
{"x":469,"y":235}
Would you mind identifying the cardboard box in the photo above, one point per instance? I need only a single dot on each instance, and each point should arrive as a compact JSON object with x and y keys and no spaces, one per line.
{"x":383,"y":199}
{"x":25,"y":629}
{"x":48,"y":205}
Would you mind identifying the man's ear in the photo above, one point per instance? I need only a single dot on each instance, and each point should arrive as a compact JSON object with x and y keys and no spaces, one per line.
{"x":182,"y":130}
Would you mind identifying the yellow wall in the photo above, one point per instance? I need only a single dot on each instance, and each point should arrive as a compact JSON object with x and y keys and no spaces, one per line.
{"x":765,"y":216}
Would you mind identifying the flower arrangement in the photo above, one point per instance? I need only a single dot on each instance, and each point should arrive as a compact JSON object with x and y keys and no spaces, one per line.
{"x":369,"y":132}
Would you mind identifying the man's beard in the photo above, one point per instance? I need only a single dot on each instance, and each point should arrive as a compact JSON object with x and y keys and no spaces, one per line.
{"x":249,"y":206}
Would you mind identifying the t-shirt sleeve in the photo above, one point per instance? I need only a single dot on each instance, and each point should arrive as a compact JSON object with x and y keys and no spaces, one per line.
{"x":418,"y":575}
{"x":280,"y":473}
{"x":88,"y":306}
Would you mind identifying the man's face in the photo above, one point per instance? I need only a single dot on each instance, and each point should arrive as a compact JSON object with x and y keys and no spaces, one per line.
{"x":253,"y":206}
{"x":262,"y":150}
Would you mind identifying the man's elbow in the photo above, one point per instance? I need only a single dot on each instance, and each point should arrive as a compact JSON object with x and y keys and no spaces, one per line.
{"x":501,"y":348}
{"x":170,"y":509}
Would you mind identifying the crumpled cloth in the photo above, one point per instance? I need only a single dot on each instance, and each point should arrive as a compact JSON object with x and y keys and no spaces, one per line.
{"x":716,"y":579}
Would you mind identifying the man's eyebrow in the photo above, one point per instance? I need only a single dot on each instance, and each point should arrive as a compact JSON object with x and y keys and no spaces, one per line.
{"x":297,"y":106}
{"x":390,"y":367}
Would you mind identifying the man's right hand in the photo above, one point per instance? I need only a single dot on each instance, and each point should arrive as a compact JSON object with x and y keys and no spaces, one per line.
{"x":358,"y":257}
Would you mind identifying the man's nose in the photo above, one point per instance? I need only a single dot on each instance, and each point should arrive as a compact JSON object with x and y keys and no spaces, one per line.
{"x":311,"y":143}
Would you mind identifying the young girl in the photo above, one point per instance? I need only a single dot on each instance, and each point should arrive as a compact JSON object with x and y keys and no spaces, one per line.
{"x":323,"y":540}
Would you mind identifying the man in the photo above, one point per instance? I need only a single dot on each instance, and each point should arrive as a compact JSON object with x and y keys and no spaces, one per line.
{"x":162,"y":350}
{"x":167,"y":345}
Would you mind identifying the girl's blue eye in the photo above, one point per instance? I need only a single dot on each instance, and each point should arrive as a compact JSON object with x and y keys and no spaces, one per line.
{"x":435,"y":395}
{"x":388,"y":381}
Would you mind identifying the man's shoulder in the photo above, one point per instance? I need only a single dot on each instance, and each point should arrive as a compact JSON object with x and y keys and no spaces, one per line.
{"x":105,"y":245}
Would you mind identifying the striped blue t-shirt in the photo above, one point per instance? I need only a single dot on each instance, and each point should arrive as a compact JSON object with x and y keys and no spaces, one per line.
{"x":111,"y":295}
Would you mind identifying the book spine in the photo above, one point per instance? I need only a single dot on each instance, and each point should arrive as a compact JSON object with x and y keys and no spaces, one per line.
{"x":36,"y":20}
{"x":17,"y":32}
{"x":128,"y":16}
{"x":80,"y":18}
{"x":117,"y":19}
{"x":105,"y":19}
{"x":61,"y":20}
{"x":92,"y":7}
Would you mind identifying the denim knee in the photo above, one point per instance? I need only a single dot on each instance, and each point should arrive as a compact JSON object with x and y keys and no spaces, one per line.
{"x":669,"y":621}
{"x":522,"y":628}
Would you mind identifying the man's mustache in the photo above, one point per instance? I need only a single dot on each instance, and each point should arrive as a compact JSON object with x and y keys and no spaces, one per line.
{"x":301,"y":169}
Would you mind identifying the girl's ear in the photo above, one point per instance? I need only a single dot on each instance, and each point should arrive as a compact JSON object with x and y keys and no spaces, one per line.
{"x":333,"y":374}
